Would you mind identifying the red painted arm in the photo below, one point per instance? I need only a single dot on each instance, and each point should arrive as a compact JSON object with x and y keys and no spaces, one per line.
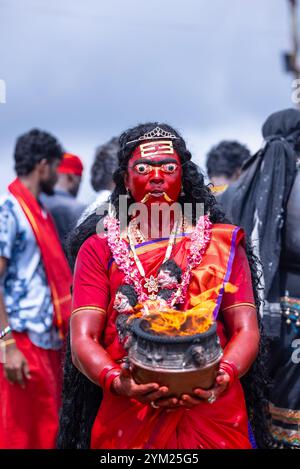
{"x":242,"y":328}
{"x":87,"y":354}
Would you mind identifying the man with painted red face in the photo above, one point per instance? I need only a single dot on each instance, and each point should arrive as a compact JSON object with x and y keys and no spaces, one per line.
{"x":103,"y":406}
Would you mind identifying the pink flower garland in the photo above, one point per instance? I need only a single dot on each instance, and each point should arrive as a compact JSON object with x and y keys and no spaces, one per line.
{"x":200,"y":239}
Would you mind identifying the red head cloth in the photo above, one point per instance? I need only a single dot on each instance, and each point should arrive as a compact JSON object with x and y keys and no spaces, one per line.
{"x":70,"y":164}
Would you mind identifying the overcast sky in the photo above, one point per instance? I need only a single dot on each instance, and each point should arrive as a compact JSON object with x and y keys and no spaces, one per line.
{"x":86,"y":70}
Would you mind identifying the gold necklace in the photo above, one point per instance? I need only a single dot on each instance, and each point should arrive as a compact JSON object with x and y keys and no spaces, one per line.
{"x":151,"y":283}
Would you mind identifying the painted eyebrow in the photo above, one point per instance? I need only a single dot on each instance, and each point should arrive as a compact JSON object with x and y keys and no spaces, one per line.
{"x":154,"y":163}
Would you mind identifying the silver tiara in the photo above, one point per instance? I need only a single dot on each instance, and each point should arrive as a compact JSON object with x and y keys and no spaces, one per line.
{"x":154,"y":134}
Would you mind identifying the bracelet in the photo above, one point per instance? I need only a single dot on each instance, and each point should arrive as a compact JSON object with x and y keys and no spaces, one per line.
{"x":231,"y":369}
{"x":109,"y":380}
{"x":232,"y":366}
{"x":104,"y":372}
{"x":5,"y":331}
{"x":5,"y":343}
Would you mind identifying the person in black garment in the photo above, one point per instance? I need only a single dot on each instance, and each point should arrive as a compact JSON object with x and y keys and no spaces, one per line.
{"x":265,"y":201}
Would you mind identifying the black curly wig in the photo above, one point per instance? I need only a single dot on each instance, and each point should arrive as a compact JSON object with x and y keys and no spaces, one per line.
{"x":33,"y":147}
{"x":226,"y":158}
{"x":81,"y":398}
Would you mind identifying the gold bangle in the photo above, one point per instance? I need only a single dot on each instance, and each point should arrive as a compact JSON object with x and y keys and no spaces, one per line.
{"x":237,"y":305}
{"x":5,"y":343}
{"x":89,"y":308}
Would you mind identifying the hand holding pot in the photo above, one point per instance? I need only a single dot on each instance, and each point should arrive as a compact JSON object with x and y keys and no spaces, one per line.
{"x":125,"y":385}
{"x":210,"y":395}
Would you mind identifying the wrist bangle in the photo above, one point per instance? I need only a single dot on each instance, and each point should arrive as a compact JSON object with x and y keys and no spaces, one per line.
{"x":231,"y":369}
{"x":232,"y":366}
{"x":5,"y":331}
{"x":104,"y":372}
{"x":109,"y":380}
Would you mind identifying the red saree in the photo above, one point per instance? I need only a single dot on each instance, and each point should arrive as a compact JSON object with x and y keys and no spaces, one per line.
{"x":122,"y":423}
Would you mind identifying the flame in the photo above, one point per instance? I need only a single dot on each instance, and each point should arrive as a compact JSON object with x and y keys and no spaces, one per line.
{"x":190,"y":322}
{"x":167,"y":321}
